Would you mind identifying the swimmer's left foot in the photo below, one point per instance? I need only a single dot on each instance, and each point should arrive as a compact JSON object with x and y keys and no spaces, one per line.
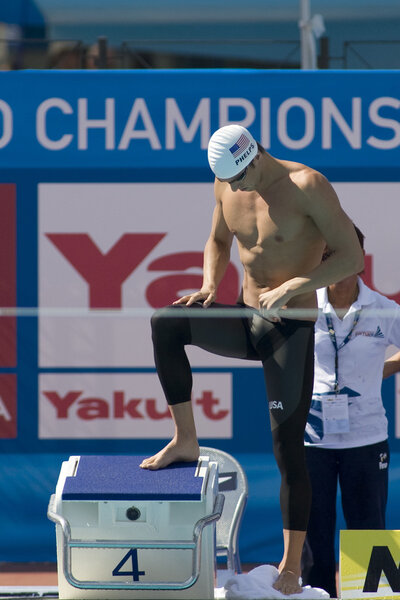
{"x":288,"y":583}
{"x":187,"y":451}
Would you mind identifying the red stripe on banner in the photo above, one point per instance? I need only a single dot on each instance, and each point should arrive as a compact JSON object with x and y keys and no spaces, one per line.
{"x":8,"y":280}
{"x":8,"y":405}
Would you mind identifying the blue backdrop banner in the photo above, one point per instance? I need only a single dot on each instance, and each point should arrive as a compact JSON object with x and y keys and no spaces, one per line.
{"x":163,"y":119}
{"x":102,"y":175}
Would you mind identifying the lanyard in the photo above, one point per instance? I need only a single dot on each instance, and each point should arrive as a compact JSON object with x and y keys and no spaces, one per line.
{"x":332,"y":335}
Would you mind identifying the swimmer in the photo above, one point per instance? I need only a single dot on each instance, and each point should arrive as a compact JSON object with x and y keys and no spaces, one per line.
{"x":282,"y":215}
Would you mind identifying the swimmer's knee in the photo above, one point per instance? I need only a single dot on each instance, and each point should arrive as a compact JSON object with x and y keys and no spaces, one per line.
{"x":168,"y":321}
{"x":159,"y":315}
{"x":289,"y":452}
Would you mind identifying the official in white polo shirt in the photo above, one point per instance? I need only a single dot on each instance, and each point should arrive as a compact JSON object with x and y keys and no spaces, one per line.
{"x":347,"y":429}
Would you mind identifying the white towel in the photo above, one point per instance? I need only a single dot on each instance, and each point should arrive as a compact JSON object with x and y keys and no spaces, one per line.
{"x":257,"y":585}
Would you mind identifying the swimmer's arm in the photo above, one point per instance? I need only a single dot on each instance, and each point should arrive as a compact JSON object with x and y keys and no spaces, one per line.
{"x":321,"y":204}
{"x":323,"y":207}
{"x":391,"y":365}
{"x":216,"y":259}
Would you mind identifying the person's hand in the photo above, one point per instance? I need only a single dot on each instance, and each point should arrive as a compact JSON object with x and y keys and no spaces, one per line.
{"x":272,"y":302}
{"x":204,"y":296}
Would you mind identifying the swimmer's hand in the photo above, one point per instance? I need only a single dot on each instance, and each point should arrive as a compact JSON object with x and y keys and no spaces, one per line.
{"x":271,"y":302}
{"x":207,"y":297}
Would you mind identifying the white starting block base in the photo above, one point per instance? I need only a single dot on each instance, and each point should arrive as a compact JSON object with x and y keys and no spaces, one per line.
{"x":124,"y":532}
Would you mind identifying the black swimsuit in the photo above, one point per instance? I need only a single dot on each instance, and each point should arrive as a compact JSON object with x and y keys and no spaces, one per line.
{"x":286,"y":350}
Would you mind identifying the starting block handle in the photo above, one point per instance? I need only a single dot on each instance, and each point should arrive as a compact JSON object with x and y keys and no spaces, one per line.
{"x":194,"y":546}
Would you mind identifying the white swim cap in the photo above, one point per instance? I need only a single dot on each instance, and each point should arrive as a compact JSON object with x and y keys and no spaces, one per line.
{"x":230,"y":150}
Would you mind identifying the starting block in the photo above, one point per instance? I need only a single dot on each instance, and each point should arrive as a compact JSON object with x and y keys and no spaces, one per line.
{"x":125,"y":532}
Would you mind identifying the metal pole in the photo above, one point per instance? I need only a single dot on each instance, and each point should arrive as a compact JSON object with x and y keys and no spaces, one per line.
{"x":307,"y":44}
{"x":103,"y":51}
{"x":323,"y":59}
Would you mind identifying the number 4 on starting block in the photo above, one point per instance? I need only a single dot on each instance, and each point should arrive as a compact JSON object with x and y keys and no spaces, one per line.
{"x":369,"y":564}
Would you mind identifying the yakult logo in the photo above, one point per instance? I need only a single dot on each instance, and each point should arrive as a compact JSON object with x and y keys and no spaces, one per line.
{"x":116,"y":246}
{"x":128,"y":406}
{"x":106,"y":272}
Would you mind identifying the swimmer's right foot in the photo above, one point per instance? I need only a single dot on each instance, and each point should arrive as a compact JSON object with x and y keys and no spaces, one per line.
{"x":187,"y":451}
{"x":288,"y":583}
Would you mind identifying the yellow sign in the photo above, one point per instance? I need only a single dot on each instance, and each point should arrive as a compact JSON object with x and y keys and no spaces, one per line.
{"x":369,"y":564}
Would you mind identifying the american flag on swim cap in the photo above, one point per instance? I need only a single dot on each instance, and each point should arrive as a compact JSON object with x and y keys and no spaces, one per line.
{"x":240,"y":145}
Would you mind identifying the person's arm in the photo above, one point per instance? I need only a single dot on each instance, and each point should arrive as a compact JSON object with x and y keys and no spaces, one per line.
{"x":216,"y":259}
{"x":321,"y":204}
{"x":391,"y":365}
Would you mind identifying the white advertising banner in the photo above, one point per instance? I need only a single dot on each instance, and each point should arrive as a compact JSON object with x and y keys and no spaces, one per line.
{"x":375,"y":209}
{"x":115,"y":246}
{"x":127,"y":406}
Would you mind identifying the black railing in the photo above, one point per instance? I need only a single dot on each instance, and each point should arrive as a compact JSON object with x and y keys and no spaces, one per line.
{"x":31,"y":53}
{"x":149,"y":54}
{"x":39,"y":53}
{"x":192,"y":53}
{"x":362,"y":54}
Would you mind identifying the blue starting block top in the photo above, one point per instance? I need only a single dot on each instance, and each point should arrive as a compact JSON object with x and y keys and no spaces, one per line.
{"x":121,"y":478}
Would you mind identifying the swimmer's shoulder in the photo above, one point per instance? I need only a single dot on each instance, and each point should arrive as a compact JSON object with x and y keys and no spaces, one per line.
{"x":222,"y":190}
{"x":220,"y":186}
{"x":306,"y":178}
